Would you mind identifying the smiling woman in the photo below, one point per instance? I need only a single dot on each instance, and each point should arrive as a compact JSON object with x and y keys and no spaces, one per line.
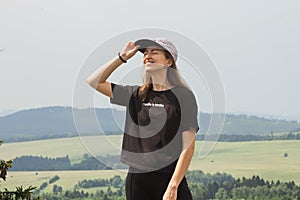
{"x":157,"y":59}
{"x":161,"y":121}
{"x":153,"y":59}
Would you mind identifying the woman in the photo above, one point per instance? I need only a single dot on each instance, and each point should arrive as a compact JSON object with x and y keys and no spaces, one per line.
{"x":161,"y":122}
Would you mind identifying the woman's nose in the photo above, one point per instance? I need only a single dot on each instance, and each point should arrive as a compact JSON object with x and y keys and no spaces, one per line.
{"x":148,"y":55}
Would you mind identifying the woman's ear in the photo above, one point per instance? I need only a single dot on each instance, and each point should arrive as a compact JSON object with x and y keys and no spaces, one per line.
{"x":170,"y":62}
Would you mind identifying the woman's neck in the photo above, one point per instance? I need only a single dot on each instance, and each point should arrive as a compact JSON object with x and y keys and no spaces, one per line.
{"x":160,"y":81}
{"x":159,"y":87}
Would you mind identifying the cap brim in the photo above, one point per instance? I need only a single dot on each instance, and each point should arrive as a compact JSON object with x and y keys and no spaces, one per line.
{"x":145,"y":43}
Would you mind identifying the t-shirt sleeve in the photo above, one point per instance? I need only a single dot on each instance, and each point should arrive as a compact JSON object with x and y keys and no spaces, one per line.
{"x":189,"y":112}
{"x":122,"y":94}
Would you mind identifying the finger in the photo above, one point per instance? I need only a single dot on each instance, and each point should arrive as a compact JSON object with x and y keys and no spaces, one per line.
{"x":129,"y":43}
{"x":137,"y":46}
{"x":134,"y":49}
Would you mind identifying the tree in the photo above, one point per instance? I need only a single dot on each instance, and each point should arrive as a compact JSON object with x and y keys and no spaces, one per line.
{"x":105,"y":197}
{"x":19,"y":193}
{"x":212,"y":189}
{"x":109,"y":191}
{"x":116,"y":181}
{"x":4,"y":166}
{"x":59,"y":189}
{"x":54,"y":190}
{"x":222,"y":194}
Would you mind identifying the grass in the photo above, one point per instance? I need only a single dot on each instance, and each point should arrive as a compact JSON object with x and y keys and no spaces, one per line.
{"x":67,"y":179}
{"x":263,"y":158}
{"x":74,"y":147}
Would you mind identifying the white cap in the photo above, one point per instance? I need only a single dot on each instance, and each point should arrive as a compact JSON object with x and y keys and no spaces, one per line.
{"x":162,"y":43}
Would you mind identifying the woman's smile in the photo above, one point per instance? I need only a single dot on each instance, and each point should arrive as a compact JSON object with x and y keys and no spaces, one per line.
{"x":147,"y":62}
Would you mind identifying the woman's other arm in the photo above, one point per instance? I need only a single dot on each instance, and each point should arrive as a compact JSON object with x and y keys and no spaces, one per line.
{"x":188,"y":141}
{"x":97,"y":79}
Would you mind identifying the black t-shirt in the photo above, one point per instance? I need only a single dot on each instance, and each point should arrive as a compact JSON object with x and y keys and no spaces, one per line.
{"x":153,"y":128}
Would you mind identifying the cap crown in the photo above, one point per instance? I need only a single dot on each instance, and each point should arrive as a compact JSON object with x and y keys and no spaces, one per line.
{"x":161,"y":43}
{"x":168,"y":45}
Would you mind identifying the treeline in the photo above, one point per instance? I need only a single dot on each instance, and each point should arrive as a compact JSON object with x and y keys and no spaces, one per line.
{"x":99,"y":163}
{"x":39,"y":137}
{"x":102,"y":194}
{"x":292,"y":135}
{"x":241,"y":124}
{"x":56,"y":188}
{"x":39,"y":163}
{"x":115,"y":190}
{"x":223,"y":186}
{"x":115,"y":182}
{"x":219,"y":186}
{"x":244,"y":138}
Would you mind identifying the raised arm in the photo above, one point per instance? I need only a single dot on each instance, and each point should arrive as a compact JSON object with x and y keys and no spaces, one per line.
{"x":97,"y":79}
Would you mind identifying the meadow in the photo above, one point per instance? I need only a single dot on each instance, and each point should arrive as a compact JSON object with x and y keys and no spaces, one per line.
{"x":263,"y":158}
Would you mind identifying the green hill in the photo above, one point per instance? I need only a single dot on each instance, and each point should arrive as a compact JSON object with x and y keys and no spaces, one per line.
{"x":264,"y":158}
{"x":58,"y":122}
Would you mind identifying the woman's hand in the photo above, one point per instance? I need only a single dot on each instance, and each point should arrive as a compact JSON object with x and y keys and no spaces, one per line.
{"x":129,"y":50}
{"x":170,"y":194}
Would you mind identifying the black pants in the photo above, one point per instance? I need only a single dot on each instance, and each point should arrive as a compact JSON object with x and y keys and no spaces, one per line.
{"x":152,"y":186}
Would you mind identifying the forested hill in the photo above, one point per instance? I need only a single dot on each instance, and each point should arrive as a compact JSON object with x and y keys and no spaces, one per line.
{"x":58,"y":121}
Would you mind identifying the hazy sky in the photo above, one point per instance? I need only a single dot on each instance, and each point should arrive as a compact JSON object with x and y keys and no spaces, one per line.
{"x":254,"y":44}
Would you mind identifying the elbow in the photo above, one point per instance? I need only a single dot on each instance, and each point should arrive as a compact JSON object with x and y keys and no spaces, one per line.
{"x":90,"y":82}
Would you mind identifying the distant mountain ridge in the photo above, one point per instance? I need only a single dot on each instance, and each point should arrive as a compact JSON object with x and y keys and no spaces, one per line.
{"x":58,"y":120}
{"x":6,"y":112}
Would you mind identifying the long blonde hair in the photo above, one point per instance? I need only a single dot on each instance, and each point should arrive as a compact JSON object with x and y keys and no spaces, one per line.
{"x":173,"y":77}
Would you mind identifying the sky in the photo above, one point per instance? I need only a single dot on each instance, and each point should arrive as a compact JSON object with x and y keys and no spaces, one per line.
{"x":253,"y":44}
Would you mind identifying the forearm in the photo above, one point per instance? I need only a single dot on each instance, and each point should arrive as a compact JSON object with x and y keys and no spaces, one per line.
{"x":182,"y":166}
{"x":98,"y":79}
{"x":102,"y":74}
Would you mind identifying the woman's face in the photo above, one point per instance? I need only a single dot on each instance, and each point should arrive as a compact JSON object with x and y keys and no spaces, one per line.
{"x":155,"y":59}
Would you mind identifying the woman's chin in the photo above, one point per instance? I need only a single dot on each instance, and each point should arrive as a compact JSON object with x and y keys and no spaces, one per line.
{"x":148,"y":69}
{"x":152,"y":67}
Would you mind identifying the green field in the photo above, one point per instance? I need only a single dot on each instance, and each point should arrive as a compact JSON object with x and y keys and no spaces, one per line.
{"x":74,"y":147}
{"x":68,"y":179}
{"x":263,"y":158}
